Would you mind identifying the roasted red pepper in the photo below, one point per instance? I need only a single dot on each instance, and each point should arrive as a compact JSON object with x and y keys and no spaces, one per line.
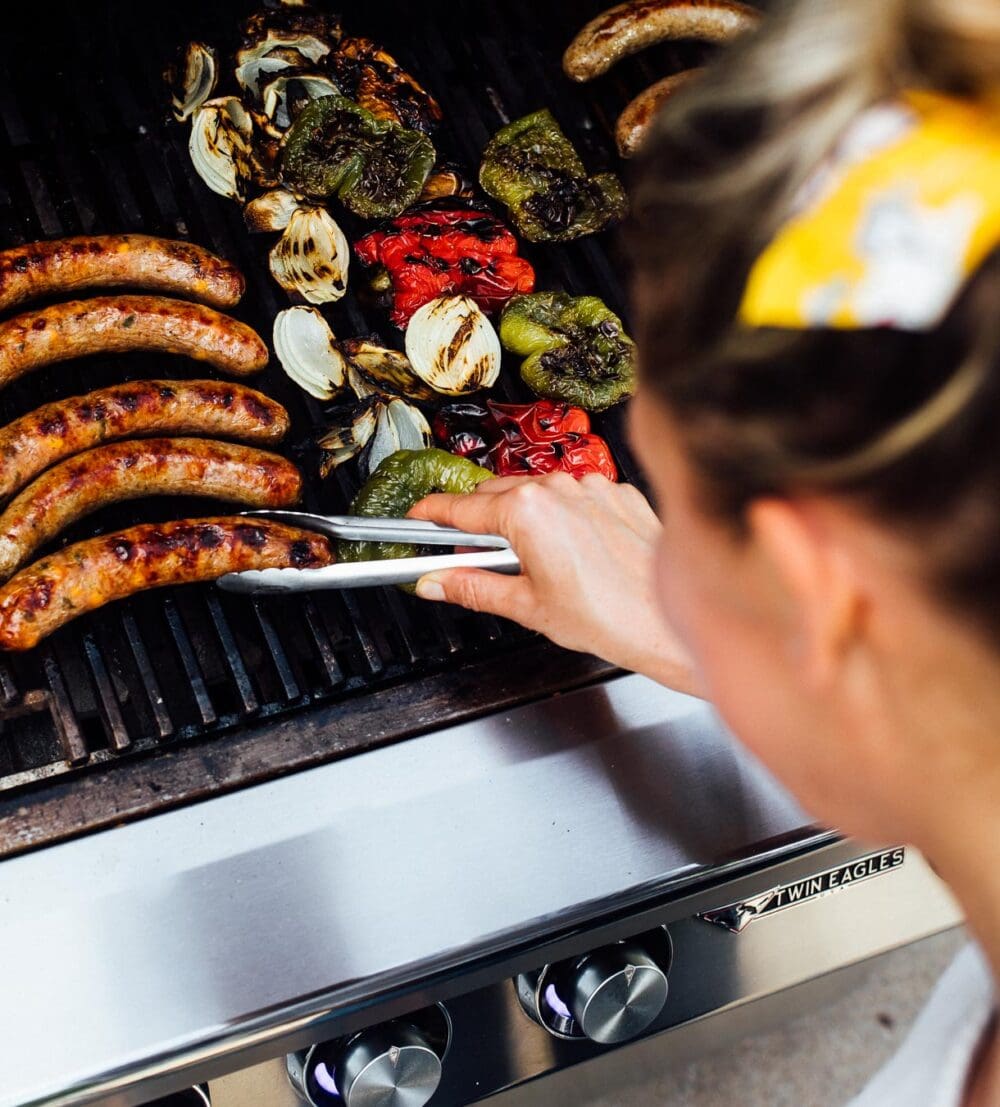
{"x":516,"y":440}
{"x":440,"y":250}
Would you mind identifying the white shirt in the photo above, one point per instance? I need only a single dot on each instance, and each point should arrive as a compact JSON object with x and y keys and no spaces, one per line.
{"x":933,"y":1065}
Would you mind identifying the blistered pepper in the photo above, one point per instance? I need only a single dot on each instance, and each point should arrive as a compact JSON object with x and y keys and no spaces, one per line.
{"x":575,"y":348}
{"x":515,"y":440}
{"x":403,"y":479}
{"x":443,"y":250}
{"x":532,"y":167}
{"x":375,"y":167}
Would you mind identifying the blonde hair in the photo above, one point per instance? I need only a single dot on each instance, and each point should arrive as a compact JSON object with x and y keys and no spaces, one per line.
{"x":904,"y":423}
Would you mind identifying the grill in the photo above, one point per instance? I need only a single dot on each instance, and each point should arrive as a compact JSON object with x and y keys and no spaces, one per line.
{"x":88,"y":147}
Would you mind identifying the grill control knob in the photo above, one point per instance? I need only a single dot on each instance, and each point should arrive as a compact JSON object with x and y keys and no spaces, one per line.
{"x":395,"y":1064}
{"x":614,"y":993}
{"x":388,"y":1067}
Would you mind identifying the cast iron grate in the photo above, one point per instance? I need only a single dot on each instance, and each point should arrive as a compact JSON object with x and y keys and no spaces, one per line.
{"x":86,"y":146}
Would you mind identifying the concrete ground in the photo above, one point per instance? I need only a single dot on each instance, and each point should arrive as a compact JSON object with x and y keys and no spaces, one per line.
{"x":819,"y":1060}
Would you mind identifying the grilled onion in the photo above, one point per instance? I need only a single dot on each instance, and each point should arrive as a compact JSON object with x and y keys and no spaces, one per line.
{"x":348,"y":435}
{"x":377,"y":370}
{"x":308,"y":351}
{"x":197,"y":81}
{"x":271,"y":211}
{"x":275,"y":53}
{"x":285,"y":96}
{"x":220,"y":146}
{"x":453,"y":346}
{"x":312,"y":256}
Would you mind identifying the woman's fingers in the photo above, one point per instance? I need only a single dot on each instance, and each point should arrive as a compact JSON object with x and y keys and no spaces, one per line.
{"x":477,"y":590}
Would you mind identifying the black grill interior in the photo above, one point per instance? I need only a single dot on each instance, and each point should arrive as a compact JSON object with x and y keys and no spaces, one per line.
{"x":87,"y":146}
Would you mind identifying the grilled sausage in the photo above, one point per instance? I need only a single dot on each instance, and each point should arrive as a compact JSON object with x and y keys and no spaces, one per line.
{"x":632,"y":26}
{"x":634,"y":121}
{"x":117,"y":261}
{"x":111,"y":324}
{"x":130,"y":470}
{"x":87,"y":575}
{"x":66,"y":427}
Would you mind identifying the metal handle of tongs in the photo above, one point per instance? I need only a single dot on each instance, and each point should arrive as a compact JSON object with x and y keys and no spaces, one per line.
{"x":366,"y":574}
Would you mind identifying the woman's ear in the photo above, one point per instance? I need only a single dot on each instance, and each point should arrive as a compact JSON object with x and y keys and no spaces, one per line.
{"x":814,"y":590}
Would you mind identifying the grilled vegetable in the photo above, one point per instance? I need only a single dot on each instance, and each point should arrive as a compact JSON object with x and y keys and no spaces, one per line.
{"x":453,"y":346}
{"x":532,"y":167}
{"x":375,"y":370}
{"x":575,"y":348}
{"x":443,"y":249}
{"x":401,"y":481}
{"x":193,"y":79}
{"x":380,"y":424}
{"x":271,"y":211}
{"x":287,"y":95}
{"x":336,"y":148}
{"x":308,"y":352}
{"x":516,"y":440}
{"x":376,"y":81}
{"x":220,"y":146}
{"x":312,"y":256}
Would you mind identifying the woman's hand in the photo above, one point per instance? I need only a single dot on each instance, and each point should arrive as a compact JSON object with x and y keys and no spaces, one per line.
{"x":586,"y":550}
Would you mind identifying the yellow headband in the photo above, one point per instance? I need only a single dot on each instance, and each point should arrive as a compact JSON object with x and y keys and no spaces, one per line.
{"x":888,"y":231}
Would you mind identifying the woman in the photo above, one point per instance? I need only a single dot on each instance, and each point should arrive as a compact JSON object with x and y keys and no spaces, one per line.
{"x":816,"y":241}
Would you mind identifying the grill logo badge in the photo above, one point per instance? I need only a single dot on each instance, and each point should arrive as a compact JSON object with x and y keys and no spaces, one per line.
{"x":737,"y":916}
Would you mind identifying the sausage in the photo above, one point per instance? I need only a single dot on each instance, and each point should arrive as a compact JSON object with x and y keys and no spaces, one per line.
{"x":58,"y":430}
{"x":634,"y":121}
{"x":113,"y":324}
{"x":117,"y":261}
{"x":89,"y":574}
{"x":130,"y":470}
{"x":630,"y":27}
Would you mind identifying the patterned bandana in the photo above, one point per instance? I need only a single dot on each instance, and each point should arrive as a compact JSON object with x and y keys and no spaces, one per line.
{"x":886,"y":233}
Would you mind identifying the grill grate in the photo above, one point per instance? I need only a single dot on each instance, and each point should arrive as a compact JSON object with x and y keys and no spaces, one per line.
{"x":85,"y":146}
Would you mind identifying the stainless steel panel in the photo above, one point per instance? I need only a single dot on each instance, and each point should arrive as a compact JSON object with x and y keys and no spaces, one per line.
{"x":232,"y":919}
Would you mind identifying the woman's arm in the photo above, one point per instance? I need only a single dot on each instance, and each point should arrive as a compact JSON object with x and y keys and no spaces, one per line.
{"x":586,"y":550}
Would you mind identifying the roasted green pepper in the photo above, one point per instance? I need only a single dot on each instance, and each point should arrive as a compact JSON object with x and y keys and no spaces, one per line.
{"x":532,"y":167}
{"x":374,"y":167}
{"x":403,"y":479}
{"x":575,"y":348}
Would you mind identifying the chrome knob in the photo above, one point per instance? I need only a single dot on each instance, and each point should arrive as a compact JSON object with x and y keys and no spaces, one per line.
{"x":614,"y":993}
{"x":393,"y":1065}
{"x":390,"y":1066}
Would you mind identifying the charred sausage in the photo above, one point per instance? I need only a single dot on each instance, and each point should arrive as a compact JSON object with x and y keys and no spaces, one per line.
{"x":130,"y":470}
{"x":216,"y":409}
{"x":634,"y":121}
{"x":87,"y":575}
{"x":632,"y":26}
{"x":117,"y":261}
{"x":113,"y":324}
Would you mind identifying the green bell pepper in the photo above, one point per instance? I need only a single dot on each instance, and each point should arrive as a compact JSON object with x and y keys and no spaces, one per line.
{"x":532,"y":168}
{"x":575,"y":348}
{"x":376,"y":168}
{"x":402,"y":480}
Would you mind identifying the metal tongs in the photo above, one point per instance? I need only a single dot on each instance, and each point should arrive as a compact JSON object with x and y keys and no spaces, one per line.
{"x":494,"y":553}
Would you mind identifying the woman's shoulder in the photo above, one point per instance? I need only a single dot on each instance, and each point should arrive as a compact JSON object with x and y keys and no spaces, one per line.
{"x":932,"y":1066}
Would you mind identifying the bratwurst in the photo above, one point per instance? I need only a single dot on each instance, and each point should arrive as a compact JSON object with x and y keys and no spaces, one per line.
{"x":630,"y":27}
{"x":117,"y":261}
{"x":87,"y":575}
{"x":116,"y":324}
{"x":131,"y":470}
{"x":636,"y":119}
{"x":216,"y":409}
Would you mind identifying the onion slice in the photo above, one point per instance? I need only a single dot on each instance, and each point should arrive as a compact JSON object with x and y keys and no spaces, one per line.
{"x":452,"y":346}
{"x":308,"y":352}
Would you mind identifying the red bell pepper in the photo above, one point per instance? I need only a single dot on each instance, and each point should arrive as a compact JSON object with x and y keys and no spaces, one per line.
{"x":525,"y":439}
{"x":441,"y":250}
